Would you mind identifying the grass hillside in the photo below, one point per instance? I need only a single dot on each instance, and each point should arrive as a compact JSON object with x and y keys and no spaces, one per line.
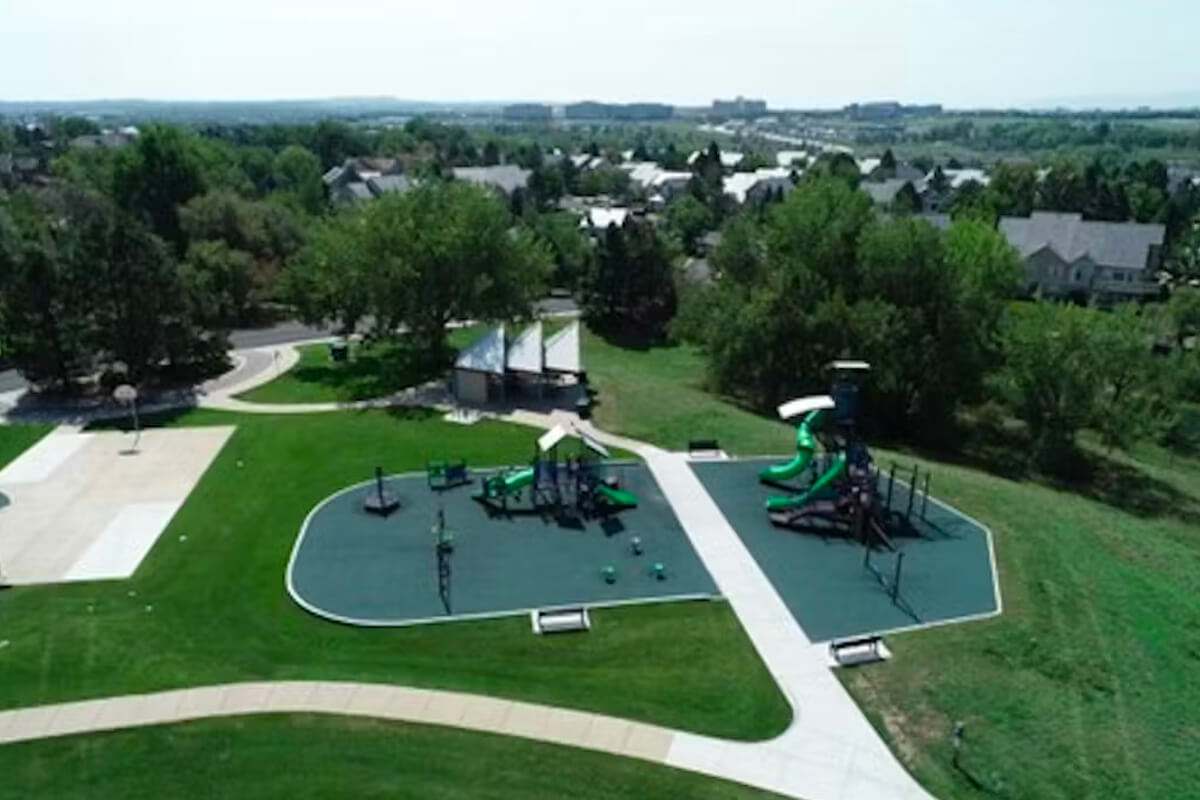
{"x":1084,"y":687}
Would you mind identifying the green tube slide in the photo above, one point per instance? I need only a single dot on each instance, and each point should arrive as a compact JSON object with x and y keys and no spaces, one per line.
{"x":806,"y":446}
{"x":836,"y":470}
{"x":617,"y":497}
{"x":516,"y":481}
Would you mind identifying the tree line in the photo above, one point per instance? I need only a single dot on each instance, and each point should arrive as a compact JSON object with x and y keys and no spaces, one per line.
{"x":823,"y":276}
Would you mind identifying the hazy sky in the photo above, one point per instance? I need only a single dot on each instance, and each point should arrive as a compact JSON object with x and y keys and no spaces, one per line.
{"x":798,"y":53}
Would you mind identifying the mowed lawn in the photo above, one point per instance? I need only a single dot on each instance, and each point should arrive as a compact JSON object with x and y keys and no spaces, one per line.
{"x":209,"y":605}
{"x":1087,"y":686}
{"x":658,"y":395}
{"x":16,"y":439}
{"x":372,"y":370}
{"x":320,"y":757}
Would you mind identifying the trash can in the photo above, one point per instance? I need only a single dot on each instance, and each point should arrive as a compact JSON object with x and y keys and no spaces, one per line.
{"x":339,"y":351}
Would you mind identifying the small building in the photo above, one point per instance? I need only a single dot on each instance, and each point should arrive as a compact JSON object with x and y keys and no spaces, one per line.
{"x":495,"y":369}
{"x":729,"y":158}
{"x":1066,"y":255}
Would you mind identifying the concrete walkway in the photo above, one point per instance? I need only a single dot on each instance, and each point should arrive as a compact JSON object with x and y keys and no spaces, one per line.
{"x":455,"y":709}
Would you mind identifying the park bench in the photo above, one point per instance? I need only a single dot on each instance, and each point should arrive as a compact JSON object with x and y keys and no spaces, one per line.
{"x":859,"y":650}
{"x":705,"y":448}
{"x":561,"y":620}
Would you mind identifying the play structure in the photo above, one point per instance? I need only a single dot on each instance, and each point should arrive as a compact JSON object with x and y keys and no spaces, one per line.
{"x":844,"y":492}
{"x":558,"y":484}
{"x":442,"y":475}
{"x":378,"y":500}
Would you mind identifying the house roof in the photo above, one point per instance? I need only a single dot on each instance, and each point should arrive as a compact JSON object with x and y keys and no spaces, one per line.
{"x":666,"y":176}
{"x":486,"y":354}
{"x":603,"y":217}
{"x":525,"y":352}
{"x":1109,"y":244}
{"x":739,"y":184}
{"x":884,"y":192}
{"x":562,"y":350}
{"x":729,"y":158}
{"x":505,"y":177}
{"x":389,"y":184}
{"x":786,"y":158}
{"x":957,"y":177}
{"x":868,"y":165}
{"x":358,"y":190}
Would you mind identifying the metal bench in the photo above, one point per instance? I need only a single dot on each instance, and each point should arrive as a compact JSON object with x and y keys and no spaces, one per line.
{"x":560,"y":620}
{"x":859,"y":650}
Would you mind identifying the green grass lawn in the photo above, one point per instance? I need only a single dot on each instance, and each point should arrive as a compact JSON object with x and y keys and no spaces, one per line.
{"x":373,"y":370}
{"x":212,"y":607}
{"x":657,"y":395}
{"x":316,"y":756}
{"x":16,"y":439}
{"x":1087,"y":685}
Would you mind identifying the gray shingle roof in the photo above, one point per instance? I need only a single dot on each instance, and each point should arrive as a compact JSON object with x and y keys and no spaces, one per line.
{"x":883,"y":192}
{"x":388,"y":184}
{"x":1109,"y":244}
{"x":505,"y":177}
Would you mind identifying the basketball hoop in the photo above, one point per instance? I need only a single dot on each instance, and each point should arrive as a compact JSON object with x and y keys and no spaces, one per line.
{"x":127,"y":394}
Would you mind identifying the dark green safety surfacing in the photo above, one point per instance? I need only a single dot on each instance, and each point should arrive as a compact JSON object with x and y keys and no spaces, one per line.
{"x":947,"y":570}
{"x":384,"y":571}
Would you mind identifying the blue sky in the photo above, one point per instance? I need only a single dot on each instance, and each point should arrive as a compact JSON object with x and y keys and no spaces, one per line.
{"x":797,"y":53}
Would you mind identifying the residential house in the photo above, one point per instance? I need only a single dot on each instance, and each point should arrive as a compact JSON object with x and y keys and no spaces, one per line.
{"x":585,"y":162}
{"x":506,"y":178}
{"x":596,"y":219}
{"x":939,"y":200}
{"x":761,"y":183}
{"x":359,"y":179}
{"x":1068,"y":256}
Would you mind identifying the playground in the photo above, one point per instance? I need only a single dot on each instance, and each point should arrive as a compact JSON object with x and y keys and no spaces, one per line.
{"x":946,"y":574}
{"x":852,"y":549}
{"x":415,"y":548}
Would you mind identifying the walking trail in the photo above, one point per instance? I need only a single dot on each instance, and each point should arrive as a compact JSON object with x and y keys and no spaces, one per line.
{"x":829,"y":752}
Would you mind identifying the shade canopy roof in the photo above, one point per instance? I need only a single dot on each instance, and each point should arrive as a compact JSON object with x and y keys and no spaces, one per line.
{"x":551,"y":437}
{"x":562,"y":350}
{"x":525,"y":352}
{"x":849,"y":366}
{"x":485,"y":354}
{"x":803,"y":405}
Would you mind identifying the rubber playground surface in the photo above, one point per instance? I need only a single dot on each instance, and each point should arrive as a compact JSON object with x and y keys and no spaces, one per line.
{"x":947,"y":572}
{"x":359,"y":568}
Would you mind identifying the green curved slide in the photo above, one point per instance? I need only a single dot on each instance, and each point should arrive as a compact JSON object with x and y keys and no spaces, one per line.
{"x":512,"y":483}
{"x":836,"y":470}
{"x":806,"y":446}
{"x":617,"y":497}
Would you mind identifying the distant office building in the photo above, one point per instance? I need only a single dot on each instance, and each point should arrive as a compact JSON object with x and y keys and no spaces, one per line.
{"x":621,"y":111}
{"x":739,"y":107}
{"x":889,"y":109}
{"x":527,"y":112}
